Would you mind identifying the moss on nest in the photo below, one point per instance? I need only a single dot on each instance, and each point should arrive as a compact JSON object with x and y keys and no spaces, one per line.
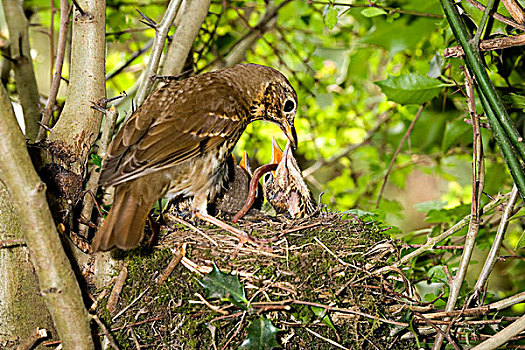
{"x":324,"y":260}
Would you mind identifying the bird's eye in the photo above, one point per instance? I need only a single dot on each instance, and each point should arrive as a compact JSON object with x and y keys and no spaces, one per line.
{"x":289,"y":105}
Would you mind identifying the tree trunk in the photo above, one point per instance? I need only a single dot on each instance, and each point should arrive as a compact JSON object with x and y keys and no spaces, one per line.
{"x":22,"y":309}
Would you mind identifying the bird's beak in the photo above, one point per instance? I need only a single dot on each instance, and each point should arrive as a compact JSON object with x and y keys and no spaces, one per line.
{"x":289,"y":131}
{"x":277,"y":154}
{"x":244,"y":164}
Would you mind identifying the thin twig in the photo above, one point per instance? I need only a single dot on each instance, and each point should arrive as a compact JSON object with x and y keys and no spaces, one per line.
{"x":489,"y":44}
{"x":348,"y":311}
{"x":439,"y":330}
{"x":496,"y":15}
{"x":333,"y":342}
{"x":382,"y":119}
{"x":130,"y":305}
{"x":117,"y":289}
{"x":187,"y":224}
{"x":161,"y":32}
{"x":92,"y":184}
{"x":386,"y":8}
{"x":133,"y":57}
{"x":330,"y":252}
{"x":55,"y":83}
{"x":401,"y":144}
{"x":106,"y":332}
{"x":503,"y":336}
{"x":483,"y":22}
{"x":478,"y":182}
{"x":515,"y":10}
{"x":173,"y":264}
{"x":492,"y":257}
{"x":431,"y":241}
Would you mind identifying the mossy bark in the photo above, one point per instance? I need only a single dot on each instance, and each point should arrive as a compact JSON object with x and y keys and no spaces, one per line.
{"x":22,"y":308}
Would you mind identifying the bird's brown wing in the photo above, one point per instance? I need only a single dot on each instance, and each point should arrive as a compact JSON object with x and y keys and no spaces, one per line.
{"x":172,"y":125}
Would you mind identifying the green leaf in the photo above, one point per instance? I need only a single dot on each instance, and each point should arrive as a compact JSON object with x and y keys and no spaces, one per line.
{"x":456,"y":132}
{"x":410,"y":89}
{"x":224,"y":286}
{"x":96,"y":159}
{"x":423,"y":207}
{"x":437,"y":274}
{"x":373,"y":12}
{"x":496,"y":27}
{"x":521,"y":241}
{"x":322,"y":314}
{"x":401,"y":34}
{"x":515,"y":100}
{"x":330,"y":17}
{"x":261,"y":335}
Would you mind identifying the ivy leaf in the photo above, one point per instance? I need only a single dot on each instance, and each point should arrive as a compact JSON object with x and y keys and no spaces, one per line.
{"x":330,"y":17}
{"x":410,"y":89}
{"x":373,"y":12}
{"x":224,"y":286}
{"x":262,"y":335}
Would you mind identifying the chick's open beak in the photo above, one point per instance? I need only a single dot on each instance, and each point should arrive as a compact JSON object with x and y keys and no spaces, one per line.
{"x":277,"y":154}
{"x":289,"y":131}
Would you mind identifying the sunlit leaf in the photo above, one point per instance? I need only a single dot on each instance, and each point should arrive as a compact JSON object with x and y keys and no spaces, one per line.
{"x":330,"y":17}
{"x":373,"y":12}
{"x":410,"y":88}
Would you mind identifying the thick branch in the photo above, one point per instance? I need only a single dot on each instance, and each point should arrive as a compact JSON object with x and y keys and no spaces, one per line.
{"x":191,"y":21}
{"x":79,"y":125}
{"x":57,"y":282}
{"x":23,"y":65}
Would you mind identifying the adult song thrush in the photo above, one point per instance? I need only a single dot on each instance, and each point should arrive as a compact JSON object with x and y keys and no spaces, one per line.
{"x":177,"y":142}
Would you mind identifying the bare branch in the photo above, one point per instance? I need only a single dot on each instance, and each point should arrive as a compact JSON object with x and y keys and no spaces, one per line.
{"x":57,"y":77}
{"x":23,"y":65}
{"x":489,"y":44}
{"x":57,"y":283}
{"x":92,"y":184}
{"x":391,"y":165}
{"x":193,"y":15}
{"x":503,"y":336}
{"x":161,"y":33}
{"x":478,"y":182}
{"x":492,"y":257}
{"x":496,"y":15}
{"x":78,"y":126}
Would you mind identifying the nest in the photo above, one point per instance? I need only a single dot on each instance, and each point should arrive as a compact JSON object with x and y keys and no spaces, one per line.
{"x":312,"y":279}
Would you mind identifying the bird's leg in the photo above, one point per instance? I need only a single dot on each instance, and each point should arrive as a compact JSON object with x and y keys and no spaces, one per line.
{"x":240,"y":234}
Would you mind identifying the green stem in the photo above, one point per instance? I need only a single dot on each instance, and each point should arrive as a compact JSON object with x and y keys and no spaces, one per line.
{"x":481,"y":26}
{"x":509,"y":153}
{"x":503,"y":128}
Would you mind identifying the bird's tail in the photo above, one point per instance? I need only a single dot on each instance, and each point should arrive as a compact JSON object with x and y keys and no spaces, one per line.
{"x":124,"y":225}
